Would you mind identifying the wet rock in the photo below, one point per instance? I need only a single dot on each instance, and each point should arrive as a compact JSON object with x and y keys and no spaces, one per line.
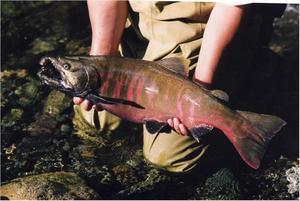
{"x":47,"y":121}
{"x":154,"y":183}
{"x":125,"y":175}
{"x":222,"y":185}
{"x":96,"y":174}
{"x":24,"y":22}
{"x":49,"y":163}
{"x":12,"y":118}
{"x":65,"y":129}
{"x":286,"y":31}
{"x":87,"y":151}
{"x":75,"y":47}
{"x":292,"y":176}
{"x":45,"y":124}
{"x":42,"y":46}
{"x":269,"y":182}
{"x":9,"y":150}
{"x":66,"y":147}
{"x":48,"y":186}
{"x":56,"y":103}
{"x":19,"y":73}
{"x":19,"y":90}
{"x":28,"y":93}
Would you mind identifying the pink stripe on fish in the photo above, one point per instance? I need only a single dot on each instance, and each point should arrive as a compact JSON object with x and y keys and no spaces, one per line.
{"x":105,"y":83}
{"x":118,"y":87}
{"x":139,"y":89}
{"x":130,"y":91}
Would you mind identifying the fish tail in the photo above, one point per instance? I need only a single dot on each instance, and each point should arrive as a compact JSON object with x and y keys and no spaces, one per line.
{"x":252,"y":138}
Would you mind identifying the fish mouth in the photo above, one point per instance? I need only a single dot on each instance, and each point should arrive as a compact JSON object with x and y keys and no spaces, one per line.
{"x":51,"y":75}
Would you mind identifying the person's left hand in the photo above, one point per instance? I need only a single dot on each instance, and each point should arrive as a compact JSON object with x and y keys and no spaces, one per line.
{"x":178,"y":126}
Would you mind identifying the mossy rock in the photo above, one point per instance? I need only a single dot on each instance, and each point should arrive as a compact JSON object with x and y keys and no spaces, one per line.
{"x":56,"y":103}
{"x":222,"y":185}
{"x":48,"y":186}
{"x":12,"y":118}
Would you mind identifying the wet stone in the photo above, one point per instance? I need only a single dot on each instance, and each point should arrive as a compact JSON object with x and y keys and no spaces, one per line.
{"x":271,"y":182}
{"x":56,"y":103}
{"x":66,"y":147}
{"x":125,"y":175}
{"x":28,"y":93}
{"x":151,"y":186}
{"x":42,"y":46}
{"x":49,"y":163}
{"x":75,"y":47}
{"x":65,"y":128}
{"x":12,"y":118}
{"x":19,"y":73}
{"x":54,"y":186}
{"x":292,"y":176}
{"x":45,"y":124}
{"x":222,"y":185}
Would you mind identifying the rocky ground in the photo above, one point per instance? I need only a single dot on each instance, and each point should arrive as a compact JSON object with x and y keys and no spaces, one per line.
{"x":44,"y":157}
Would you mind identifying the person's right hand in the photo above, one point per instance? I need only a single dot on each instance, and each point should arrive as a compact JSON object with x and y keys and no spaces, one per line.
{"x":87,"y":105}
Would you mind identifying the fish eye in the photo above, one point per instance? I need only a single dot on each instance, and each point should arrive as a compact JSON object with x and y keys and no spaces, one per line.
{"x":66,"y":66}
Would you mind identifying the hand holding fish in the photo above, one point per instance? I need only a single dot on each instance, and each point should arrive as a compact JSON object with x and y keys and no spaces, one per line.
{"x":178,"y":126}
{"x":87,"y":105}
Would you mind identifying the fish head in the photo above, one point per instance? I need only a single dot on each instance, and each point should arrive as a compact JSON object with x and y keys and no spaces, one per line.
{"x":69,"y":75}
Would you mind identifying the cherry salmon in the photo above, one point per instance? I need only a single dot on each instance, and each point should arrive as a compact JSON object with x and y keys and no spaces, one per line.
{"x":152,"y":92}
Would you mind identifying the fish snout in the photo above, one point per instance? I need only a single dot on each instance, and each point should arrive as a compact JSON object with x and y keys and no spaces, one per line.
{"x":46,"y":60}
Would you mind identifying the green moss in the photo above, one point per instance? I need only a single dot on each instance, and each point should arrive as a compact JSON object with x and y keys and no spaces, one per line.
{"x":12,"y":118}
{"x":56,"y":103}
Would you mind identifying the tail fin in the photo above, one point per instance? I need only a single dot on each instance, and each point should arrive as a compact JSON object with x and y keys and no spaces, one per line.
{"x":252,"y":138}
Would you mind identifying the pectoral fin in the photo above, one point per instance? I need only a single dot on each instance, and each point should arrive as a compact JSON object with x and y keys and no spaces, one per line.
{"x":95,"y":99}
{"x":153,"y":126}
{"x":200,"y":130}
{"x":98,"y":99}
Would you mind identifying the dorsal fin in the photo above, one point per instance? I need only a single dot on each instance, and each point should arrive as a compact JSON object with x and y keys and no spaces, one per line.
{"x":220,"y":94}
{"x":176,"y":64}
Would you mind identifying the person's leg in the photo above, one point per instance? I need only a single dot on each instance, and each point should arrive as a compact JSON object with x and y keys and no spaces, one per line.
{"x":172,"y":152}
{"x":87,"y":124}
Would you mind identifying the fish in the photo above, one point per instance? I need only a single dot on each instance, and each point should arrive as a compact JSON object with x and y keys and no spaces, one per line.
{"x":151,"y":92}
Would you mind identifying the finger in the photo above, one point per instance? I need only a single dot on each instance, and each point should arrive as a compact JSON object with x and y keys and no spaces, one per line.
{"x":97,"y":108}
{"x":170,"y":122}
{"x":176,"y":126}
{"x":183,"y":129}
{"x":87,"y":105}
{"x":77,"y":100}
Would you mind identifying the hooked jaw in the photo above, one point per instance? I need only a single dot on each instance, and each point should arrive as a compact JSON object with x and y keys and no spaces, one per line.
{"x":51,"y":75}
{"x":48,"y":74}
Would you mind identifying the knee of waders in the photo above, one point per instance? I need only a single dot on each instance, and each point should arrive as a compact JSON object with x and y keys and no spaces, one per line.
{"x":97,"y":120}
{"x":172,"y":152}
